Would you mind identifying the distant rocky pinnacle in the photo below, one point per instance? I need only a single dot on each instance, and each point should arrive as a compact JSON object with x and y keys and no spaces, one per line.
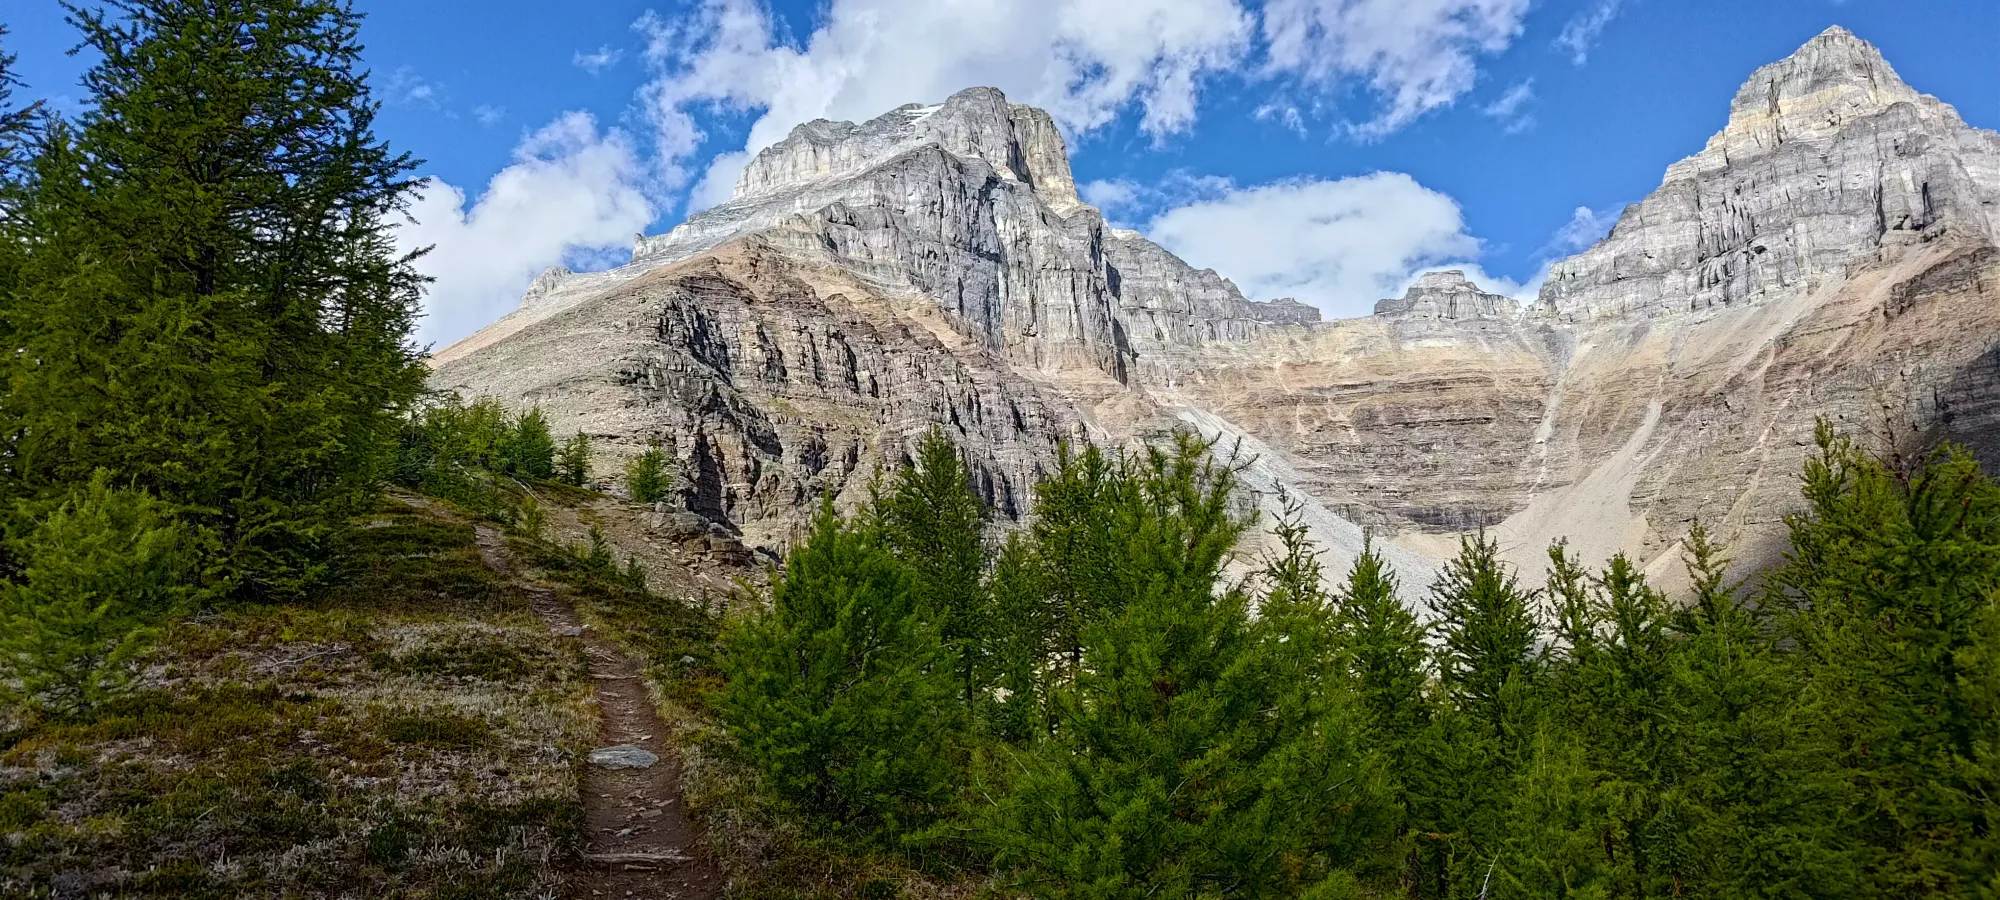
{"x":1449,"y":295}
{"x":1831,"y":252}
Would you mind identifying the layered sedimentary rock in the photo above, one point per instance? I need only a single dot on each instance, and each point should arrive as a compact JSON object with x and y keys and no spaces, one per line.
{"x":1829,"y":164}
{"x":1830,"y":253}
{"x":1449,"y":295}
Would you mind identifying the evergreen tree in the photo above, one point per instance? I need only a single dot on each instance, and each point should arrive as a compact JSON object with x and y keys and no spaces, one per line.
{"x":1167,"y":773}
{"x":1760,"y":796}
{"x":102,"y":572}
{"x":1555,"y":843}
{"x":572,"y":463}
{"x":840,"y":693}
{"x":208,"y":302}
{"x":1073,"y":549}
{"x":1468,"y":761}
{"x":16,"y":125}
{"x":1019,"y":640}
{"x":1890,"y":583}
{"x":529,"y":451}
{"x":1385,"y":650}
{"x":646,"y":476}
{"x":935,"y":524}
{"x":1487,"y":632}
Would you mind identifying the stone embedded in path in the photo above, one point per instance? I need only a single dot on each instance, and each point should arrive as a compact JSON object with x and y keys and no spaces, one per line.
{"x":623,"y":756}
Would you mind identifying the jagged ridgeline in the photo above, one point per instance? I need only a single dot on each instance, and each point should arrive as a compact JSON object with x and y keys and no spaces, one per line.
{"x":1830,"y":252}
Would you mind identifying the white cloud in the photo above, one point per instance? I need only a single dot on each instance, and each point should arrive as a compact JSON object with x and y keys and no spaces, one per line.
{"x":571,"y":190}
{"x":1416,"y":55}
{"x":489,"y":115}
{"x":404,"y":87}
{"x":1082,"y":60}
{"x":1338,"y":245}
{"x":1584,"y":228}
{"x":1582,"y":31}
{"x":1110,"y":196}
{"x":1510,"y":108}
{"x":605,"y":57}
{"x":1284,"y":113}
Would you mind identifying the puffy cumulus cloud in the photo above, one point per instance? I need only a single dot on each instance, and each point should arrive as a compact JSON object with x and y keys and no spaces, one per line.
{"x":1338,"y":245}
{"x":1082,"y":60}
{"x":1111,"y":196}
{"x":572,"y":191}
{"x":1416,"y":55}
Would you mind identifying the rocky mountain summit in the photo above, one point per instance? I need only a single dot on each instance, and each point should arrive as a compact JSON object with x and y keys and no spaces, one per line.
{"x":1829,"y":164}
{"x":1449,"y":295}
{"x":1830,"y":252}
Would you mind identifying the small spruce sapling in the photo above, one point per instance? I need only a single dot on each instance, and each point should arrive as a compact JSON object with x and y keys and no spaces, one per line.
{"x":646,"y":476}
{"x":573,"y":460}
{"x":102,"y":572}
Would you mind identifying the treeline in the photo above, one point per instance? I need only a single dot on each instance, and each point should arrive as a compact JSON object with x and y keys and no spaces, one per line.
{"x":1091,"y":709}
{"x":205,"y":353}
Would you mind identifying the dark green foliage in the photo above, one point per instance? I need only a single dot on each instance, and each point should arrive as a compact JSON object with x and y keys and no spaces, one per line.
{"x":16,"y":124}
{"x":1890,"y":591}
{"x":934,"y":523}
{"x":1141,"y":731}
{"x":464,"y":452}
{"x":529,"y":452}
{"x":1073,"y":550}
{"x":101,"y":573}
{"x":841,"y":694}
{"x":1486,"y":633}
{"x":1385,"y":651}
{"x":1168,"y":773}
{"x":646,"y":477}
{"x":1759,"y":798}
{"x":572,"y":465}
{"x":207,"y":300}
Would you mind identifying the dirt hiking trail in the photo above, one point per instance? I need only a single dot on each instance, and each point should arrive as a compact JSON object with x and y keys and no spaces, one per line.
{"x":638,"y":842}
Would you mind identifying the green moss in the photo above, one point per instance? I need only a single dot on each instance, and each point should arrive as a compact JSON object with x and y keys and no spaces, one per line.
{"x":442,"y":731}
{"x":21,"y":810}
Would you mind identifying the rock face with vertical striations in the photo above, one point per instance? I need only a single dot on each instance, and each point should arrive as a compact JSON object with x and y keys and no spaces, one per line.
{"x":1449,"y":295}
{"x":1829,"y":164}
{"x":1832,"y":252}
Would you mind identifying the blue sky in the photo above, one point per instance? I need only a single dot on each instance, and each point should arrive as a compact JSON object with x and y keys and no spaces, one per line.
{"x":1324,"y":149}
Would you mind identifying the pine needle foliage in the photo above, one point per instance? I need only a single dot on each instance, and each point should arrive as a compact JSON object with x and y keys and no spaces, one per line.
{"x":935,"y":523}
{"x":647,"y":478}
{"x":208,"y":301}
{"x":841,"y":693}
{"x":103,"y":571}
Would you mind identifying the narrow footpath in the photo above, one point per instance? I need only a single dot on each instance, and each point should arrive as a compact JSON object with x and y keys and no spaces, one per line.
{"x":639,"y":842}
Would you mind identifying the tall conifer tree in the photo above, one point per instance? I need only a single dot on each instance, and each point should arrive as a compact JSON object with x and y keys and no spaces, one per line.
{"x":1891,"y":585}
{"x":936,"y":525}
{"x":210,"y":304}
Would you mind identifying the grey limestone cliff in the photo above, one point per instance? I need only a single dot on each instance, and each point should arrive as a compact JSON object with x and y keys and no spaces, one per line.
{"x":1829,"y":163}
{"x":1830,"y":253}
{"x":1449,"y":295}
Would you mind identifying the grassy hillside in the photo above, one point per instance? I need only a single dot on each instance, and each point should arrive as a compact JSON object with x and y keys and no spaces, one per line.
{"x":416,"y":733}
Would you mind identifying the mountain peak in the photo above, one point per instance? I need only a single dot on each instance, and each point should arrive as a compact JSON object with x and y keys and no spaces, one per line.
{"x":1018,"y":141}
{"x":1831,"y":80}
{"x":1448,"y":294}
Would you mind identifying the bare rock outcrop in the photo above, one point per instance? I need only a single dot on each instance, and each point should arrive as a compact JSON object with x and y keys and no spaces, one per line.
{"x":1829,"y":164}
{"x":1449,"y":295}
{"x":1832,"y":252}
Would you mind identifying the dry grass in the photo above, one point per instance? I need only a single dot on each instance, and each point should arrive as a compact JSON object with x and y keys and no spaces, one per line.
{"x":414,"y":734}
